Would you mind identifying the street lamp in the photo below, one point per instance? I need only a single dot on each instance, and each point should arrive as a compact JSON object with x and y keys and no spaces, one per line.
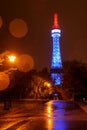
{"x":12,"y":58}
{"x":48,"y":85}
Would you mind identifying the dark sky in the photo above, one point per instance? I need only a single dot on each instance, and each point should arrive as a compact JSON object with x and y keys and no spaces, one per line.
{"x":38,"y":14}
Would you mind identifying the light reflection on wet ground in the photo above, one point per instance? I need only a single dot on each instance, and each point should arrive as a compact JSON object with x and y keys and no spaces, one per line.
{"x":52,"y":115}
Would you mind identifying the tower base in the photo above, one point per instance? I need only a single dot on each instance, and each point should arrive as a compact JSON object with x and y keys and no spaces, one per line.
{"x":57,"y":76}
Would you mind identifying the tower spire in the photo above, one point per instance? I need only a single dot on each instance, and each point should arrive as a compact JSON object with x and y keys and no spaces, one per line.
{"x":55,"y":25}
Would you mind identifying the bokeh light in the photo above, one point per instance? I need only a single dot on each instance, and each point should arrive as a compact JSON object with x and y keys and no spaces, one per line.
{"x":4,"y":80}
{"x":25,"y":63}
{"x":18,"y":28}
{"x":1,"y":22}
{"x":47,"y":84}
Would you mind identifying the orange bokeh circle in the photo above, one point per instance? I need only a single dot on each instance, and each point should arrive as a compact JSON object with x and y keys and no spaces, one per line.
{"x":25,"y":63}
{"x":18,"y":28}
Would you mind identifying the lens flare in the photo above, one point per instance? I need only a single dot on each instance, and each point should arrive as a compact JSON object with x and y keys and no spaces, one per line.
{"x":25,"y":63}
{"x":18,"y":28}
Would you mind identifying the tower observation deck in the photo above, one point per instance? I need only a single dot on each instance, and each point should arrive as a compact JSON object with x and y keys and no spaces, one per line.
{"x":56,"y":65}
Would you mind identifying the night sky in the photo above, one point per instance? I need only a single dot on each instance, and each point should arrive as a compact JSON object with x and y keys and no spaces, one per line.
{"x":38,"y":15}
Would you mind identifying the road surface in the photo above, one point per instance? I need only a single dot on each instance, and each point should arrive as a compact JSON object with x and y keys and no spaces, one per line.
{"x":39,"y":115}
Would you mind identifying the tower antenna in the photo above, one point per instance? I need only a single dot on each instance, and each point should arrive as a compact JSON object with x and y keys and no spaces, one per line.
{"x":56,"y":25}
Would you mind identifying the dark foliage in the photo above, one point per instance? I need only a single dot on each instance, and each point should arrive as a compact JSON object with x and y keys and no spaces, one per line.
{"x":75,"y":77}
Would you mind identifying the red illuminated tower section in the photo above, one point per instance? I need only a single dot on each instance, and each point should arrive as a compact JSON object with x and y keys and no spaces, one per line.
{"x":56,"y":25}
{"x":56,"y":64}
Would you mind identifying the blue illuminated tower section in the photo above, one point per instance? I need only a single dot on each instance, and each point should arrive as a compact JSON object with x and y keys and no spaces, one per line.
{"x":56,"y":65}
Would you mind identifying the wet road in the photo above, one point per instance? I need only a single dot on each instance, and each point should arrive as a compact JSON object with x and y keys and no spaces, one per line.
{"x":37,"y":115}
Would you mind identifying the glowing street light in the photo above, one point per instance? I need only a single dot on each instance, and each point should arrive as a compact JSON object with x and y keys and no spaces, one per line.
{"x":12,"y":58}
{"x":48,"y":85}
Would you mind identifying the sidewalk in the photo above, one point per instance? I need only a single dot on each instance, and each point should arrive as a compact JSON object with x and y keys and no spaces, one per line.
{"x":2,"y":111}
{"x":16,"y":102}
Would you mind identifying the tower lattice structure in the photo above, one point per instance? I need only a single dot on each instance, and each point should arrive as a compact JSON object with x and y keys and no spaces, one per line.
{"x":56,"y":65}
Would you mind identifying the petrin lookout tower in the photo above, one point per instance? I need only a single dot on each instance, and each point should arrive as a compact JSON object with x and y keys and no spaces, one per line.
{"x":56,"y":65}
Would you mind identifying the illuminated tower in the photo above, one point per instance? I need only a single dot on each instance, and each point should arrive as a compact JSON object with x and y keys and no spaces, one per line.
{"x":56,"y":65}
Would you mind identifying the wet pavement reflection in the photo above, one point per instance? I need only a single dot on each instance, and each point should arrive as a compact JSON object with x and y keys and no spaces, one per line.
{"x":39,"y":115}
